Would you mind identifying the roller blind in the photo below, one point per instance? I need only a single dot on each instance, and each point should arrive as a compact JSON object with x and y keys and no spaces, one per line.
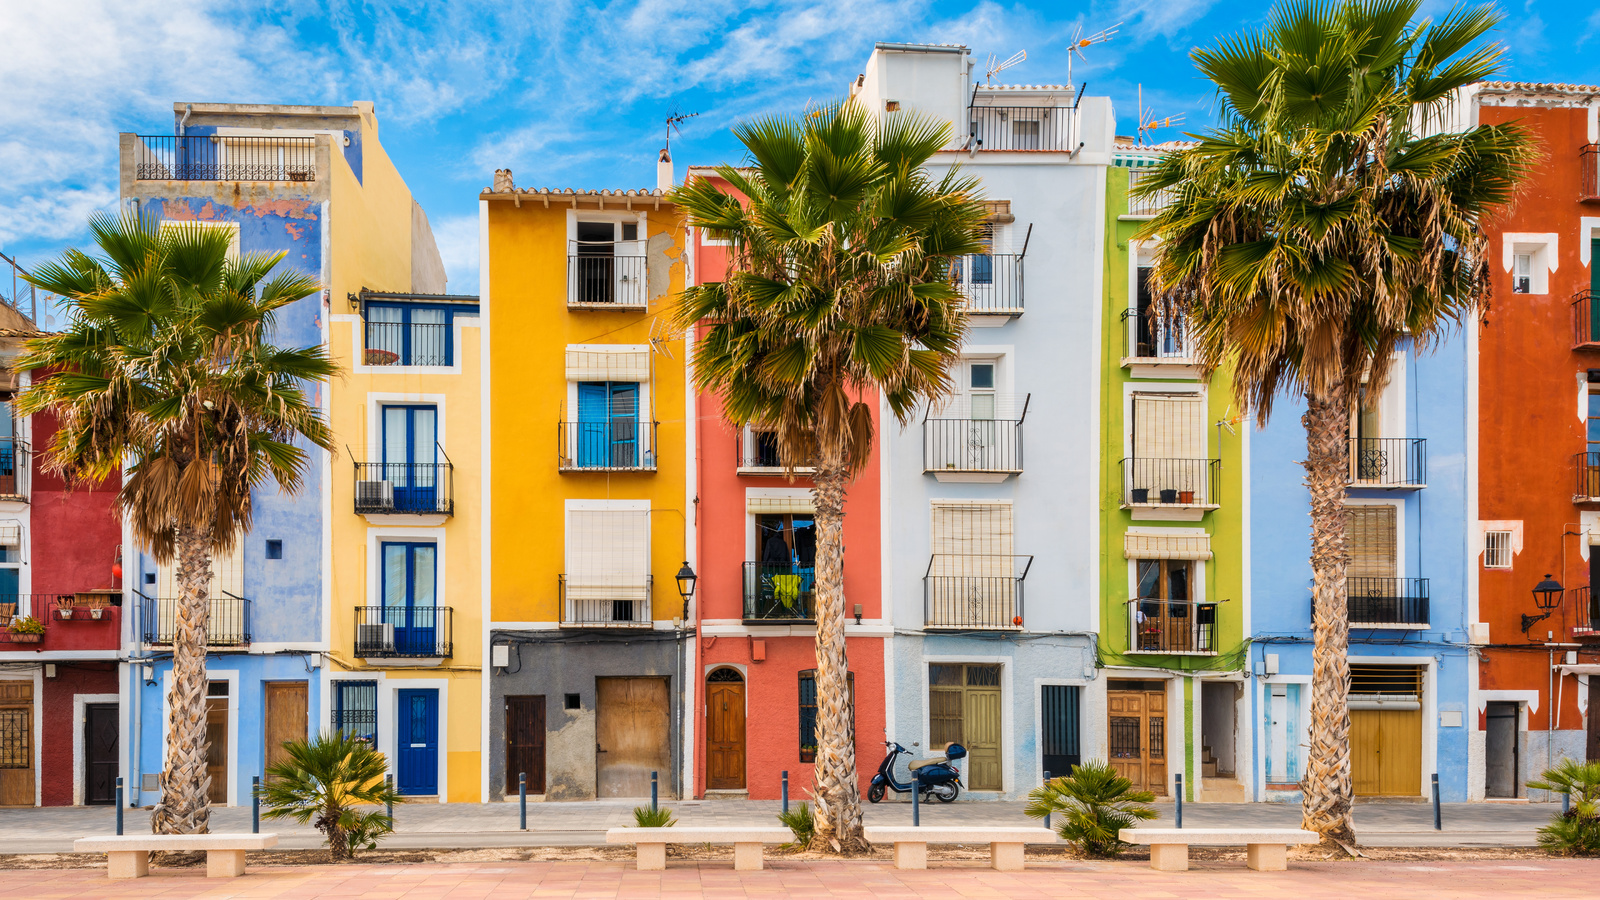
{"x":1166,"y":546}
{"x":606,"y":549}
{"x":227,"y":574}
{"x":972,"y":538}
{"x":1370,"y":536}
{"x":1169,"y":426}
{"x":803,"y":504}
{"x":624,"y":362}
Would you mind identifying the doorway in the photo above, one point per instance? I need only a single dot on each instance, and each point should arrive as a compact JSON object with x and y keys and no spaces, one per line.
{"x":417,"y":745}
{"x":1138,"y":732}
{"x":725,"y":730}
{"x":1386,"y":730}
{"x":217,"y":741}
{"x":632,"y":735}
{"x":964,"y":707}
{"x":410,"y":456}
{"x":1500,"y":750}
{"x":286,"y":718}
{"x":525,"y":742}
{"x":409,"y":585}
{"x":16,"y":743}
{"x":1217,"y":727}
{"x":100,"y":741}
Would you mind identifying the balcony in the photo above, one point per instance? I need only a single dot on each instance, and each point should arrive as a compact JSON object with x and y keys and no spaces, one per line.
{"x":408,"y":344}
{"x":1395,"y":464}
{"x":1156,"y":338}
{"x":606,"y":275}
{"x":1192,"y":486}
{"x":1377,"y":602}
{"x":757,"y":453}
{"x":228,"y":625}
{"x":1024,"y":128}
{"x":1585,"y":325}
{"x":417,"y":489}
{"x":1589,"y":163}
{"x":1177,"y":627}
{"x":972,"y":592}
{"x":608,"y":445}
{"x":990,"y":283}
{"x":1587,"y":468}
{"x":1585,"y":611}
{"x":403,"y":632}
{"x":89,"y":620}
{"x":973,"y":450}
{"x":616,"y":602}
{"x":778,"y":592}
{"x":16,"y":460}
{"x":218,"y":158}
{"x":1145,"y":207}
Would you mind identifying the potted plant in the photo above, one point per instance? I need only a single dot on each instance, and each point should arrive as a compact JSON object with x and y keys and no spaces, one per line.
{"x":96,"y":604}
{"x":1186,"y":497}
{"x":64,"y":604}
{"x":26,"y":630}
{"x":1141,"y":495}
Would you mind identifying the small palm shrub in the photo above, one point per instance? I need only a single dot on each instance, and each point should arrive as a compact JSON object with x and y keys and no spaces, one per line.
{"x":645,"y":817}
{"x":1576,"y":832}
{"x":799,"y":821}
{"x":1092,"y":805}
{"x":323,"y":782}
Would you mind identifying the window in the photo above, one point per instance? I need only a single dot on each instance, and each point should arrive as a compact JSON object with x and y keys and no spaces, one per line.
{"x":13,"y":458}
{"x":570,"y":701}
{"x":1058,"y":724}
{"x":608,"y":424}
{"x":1165,"y":617}
{"x":1370,"y":537}
{"x":1497,"y":549}
{"x":1169,"y":463}
{"x":1522,"y":274}
{"x":972,"y":572}
{"x":1025,"y":134}
{"x":411,"y":456}
{"x":980,"y":389}
{"x":607,"y":581}
{"x":355,"y":709}
{"x":606,"y":264}
{"x":11,"y":568}
{"x":409,"y":334}
{"x":1592,"y":425}
{"x":1160,"y":328}
{"x":274,"y":549}
{"x":409,"y":584}
{"x":808,"y":713}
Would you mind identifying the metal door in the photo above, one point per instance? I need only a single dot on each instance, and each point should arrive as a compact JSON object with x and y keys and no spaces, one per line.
{"x":525,"y":731}
{"x":725,"y":730}
{"x":417,"y":745}
{"x":632,"y":736}
{"x":100,"y":736}
{"x":1500,"y":748}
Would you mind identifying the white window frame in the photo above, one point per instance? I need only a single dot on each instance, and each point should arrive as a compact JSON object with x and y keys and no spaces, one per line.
{"x":1497,"y":549}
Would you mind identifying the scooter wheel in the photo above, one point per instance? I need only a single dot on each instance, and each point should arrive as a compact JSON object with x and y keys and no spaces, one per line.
{"x":952,"y":787}
{"x":875,"y":793}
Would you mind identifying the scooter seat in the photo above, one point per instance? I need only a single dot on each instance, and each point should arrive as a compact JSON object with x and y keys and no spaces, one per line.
{"x":928,"y":762}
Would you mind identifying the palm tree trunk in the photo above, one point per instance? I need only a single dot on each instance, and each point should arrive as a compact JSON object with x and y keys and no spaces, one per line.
{"x":185,"y":785}
{"x":837,"y":786}
{"x":1327,"y":789}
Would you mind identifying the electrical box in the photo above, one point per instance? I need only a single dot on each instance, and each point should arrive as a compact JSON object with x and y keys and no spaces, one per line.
{"x":500,"y":656}
{"x":1272,"y":663}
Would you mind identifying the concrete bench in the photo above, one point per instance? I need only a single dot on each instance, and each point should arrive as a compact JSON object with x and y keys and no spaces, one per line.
{"x":1005,"y":843}
{"x":1266,"y":849}
{"x":129,"y":854}
{"x":651,"y":843}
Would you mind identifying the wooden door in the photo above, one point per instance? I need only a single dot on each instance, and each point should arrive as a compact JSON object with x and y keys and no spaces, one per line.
{"x":725,"y":730}
{"x":965,"y":707}
{"x":631,"y":735}
{"x":525,"y":742}
{"x":1138,"y":732}
{"x":16,"y":743}
{"x":100,"y":756}
{"x":286,"y":717}
{"x":1386,"y":752}
{"x":217,"y":748}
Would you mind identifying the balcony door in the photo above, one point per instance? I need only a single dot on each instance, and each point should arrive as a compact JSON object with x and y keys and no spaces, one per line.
{"x":608,"y":257}
{"x":786,"y":573}
{"x":1165,"y":620}
{"x":411,"y":456}
{"x":10,"y":460}
{"x":1169,"y":449}
{"x":983,"y":439}
{"x":608,"y":424}
{"x":409,"y":599}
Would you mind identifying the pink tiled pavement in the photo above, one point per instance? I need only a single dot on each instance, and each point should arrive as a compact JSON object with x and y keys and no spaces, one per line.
{"x":811,"y":879}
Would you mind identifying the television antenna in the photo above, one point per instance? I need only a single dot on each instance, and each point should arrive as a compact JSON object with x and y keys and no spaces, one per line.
{"x":1081,"y":43}
{"x":1148,"y":121}
{"x":995,"y":68}
{"x":673,"y":122}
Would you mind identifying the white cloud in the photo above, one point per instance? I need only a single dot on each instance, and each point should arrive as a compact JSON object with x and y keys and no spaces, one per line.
{"x":457,"y":237}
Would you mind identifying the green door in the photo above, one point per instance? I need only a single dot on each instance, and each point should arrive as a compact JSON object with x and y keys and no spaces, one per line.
{"x":964,"y":707}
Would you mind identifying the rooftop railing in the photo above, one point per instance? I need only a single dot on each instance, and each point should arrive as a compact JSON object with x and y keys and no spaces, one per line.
{"x":165,"y":157}
{"x":1024,"y":128}
{"x":1145,"y":206}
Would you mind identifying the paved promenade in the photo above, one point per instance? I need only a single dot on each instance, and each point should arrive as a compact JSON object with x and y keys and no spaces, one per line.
{"x":812,"y":879}
{"x":468,"y":825}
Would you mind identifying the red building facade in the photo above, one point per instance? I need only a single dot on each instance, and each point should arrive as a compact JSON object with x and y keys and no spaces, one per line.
{"x":1538,"y":436}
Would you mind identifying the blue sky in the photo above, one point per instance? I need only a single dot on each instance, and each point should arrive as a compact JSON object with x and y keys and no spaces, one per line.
{"x":564,"y":93}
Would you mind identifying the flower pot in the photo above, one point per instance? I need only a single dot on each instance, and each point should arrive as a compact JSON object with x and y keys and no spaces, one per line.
{"x":96,"y":613}
{"x":1169,"y":496}
{"x":1141,"y":495}
{"x":1186,"y":497}
{"x":17,"y":638}
{"x":65,"y":613}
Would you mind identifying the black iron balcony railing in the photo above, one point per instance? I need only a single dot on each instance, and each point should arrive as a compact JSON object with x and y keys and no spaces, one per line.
{"x":1023,"y":127}
{"x":606,"y":602}
{"x":606,"y":275}
{"x":757,"y":453}
{"x":227,"y":626}
{"x":1587,"y":467}
{"x":974,"y":591}
{"x":1171,"y":482}
{"x":1585,"y":320}
{"x":16,"y":461}
{"x":1585,"y":616}
{"x":403,"y":631}
{"x":406,"y":488}
{"x":1145,"y":206}
{"x":1589,"y":162}
{"x":972,"y":445}
{"x":1171,"y":626}
{"x":408,"y":344}
{"x":608,"y":445}
{"x":991,"y":283}
{"x":209,"y":157}
{"x":1157,"y":333}
{"x":1388,"y":462}
{"x":779,"y":591}
{"x":1377,"y":602}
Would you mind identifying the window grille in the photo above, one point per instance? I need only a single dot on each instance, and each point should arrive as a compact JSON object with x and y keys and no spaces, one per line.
{"x":1158,"y":737}
{"x":1058,"y":737}
{"x":355,"y":710}
{"x":1497,"y":549}
{"x":808,"y":713}
{"x":1125,"y":737}
{"x":16,"y":739}
{"x":1391,"y":681}
{"x":1370,"y":538}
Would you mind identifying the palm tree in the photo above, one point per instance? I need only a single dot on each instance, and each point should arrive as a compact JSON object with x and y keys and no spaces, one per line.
{"x":323,"y":781}
{"x":838,"y":290}
{"x":166,"y":362}
{"x":1335,"y":214}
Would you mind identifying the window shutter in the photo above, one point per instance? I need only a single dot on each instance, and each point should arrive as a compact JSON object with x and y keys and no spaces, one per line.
{"x":972,"y":539}
{"x":796,"y":505}
{"x":621,"y":362}
{"x":1370,"y":536}
{"x":1166,"y":546}
{"x":607,"y":549}
{"x":1169,"y":426}
{"x":227,"y":573}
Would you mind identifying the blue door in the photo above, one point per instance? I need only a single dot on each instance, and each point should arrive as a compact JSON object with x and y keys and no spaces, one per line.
{"x":410,"y":600}
{"x":411,"y":456}
{"x":418,"y":742}
{"x":608,"y":424}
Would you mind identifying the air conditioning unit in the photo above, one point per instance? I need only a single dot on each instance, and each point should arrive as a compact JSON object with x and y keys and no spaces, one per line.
{"x":375,"y":494}
{"x":375,"y":638}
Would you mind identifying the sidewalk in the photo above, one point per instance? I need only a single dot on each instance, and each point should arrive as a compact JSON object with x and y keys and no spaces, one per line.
{"x":783,"y":878}
{"x":468,"y":825}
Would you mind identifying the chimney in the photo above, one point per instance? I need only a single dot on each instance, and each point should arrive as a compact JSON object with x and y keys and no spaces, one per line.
{"x":502,"y":181}
{"x":664,"y":170}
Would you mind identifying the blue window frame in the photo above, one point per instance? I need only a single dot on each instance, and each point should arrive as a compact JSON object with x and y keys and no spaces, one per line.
{"x":411,"y":456}
{"x":412,"y":334}
{"x":608,"y":424}
{"x":355,"y":709}
{"x":410,"y":601}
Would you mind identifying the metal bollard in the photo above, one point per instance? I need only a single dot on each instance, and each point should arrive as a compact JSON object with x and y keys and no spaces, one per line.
{"x":1437,"y":825}
{"x":388,"y":806}
{"x":522,"y":797}
{"x":1179,"y":794}
{"x":119,"y":804}
{"x":785,"y":791}
{"x":1566,"y":804}
{"x":653,"y":792}
{"x":1047,"y":811}
{"x":916,"y":810}
{"x":255,"y":804}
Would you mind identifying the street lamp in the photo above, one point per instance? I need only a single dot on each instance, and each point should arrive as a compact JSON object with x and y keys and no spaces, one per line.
{"x":686,"y":579}
{"x":1547,"y":596}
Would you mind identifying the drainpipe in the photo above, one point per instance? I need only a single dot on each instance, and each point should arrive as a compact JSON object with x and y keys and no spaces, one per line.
{"x":183,"y":124}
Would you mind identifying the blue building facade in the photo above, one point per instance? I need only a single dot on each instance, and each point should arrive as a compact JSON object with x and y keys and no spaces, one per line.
{"x":1407,"y":509}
